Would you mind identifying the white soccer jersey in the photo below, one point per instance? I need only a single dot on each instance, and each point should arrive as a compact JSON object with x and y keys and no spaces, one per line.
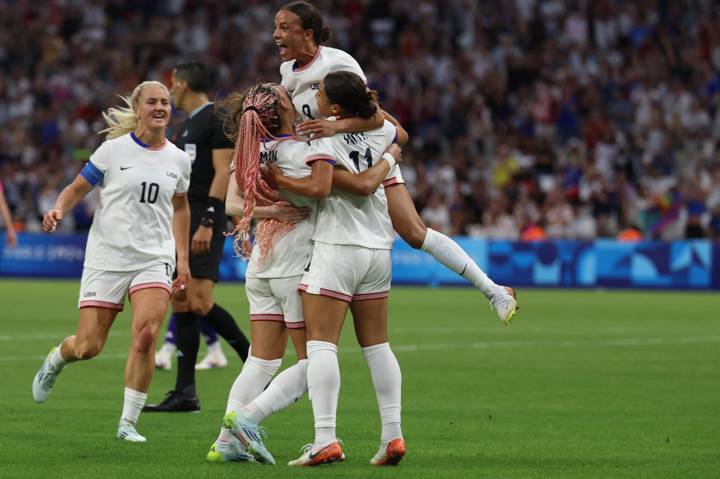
{"x":304,"y":82}
{"x":290,"y":254}
{"x":132,"y":228}
{"x":347,"y":219}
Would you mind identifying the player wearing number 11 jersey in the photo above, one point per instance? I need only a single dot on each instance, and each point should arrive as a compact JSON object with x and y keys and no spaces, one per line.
{"x":299,"y":34}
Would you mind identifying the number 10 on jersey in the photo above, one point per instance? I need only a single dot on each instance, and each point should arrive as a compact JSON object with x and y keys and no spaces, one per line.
{"x":149,"y":192}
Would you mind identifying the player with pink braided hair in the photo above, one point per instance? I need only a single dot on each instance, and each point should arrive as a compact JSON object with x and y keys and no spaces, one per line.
{"x":261,"y":124}
{"x":259,"y":108}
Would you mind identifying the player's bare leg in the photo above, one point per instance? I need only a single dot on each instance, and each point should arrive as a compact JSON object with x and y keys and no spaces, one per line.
{"x":149,"y":307}
{"x":410,"y":227}
{"x":87,"y":342}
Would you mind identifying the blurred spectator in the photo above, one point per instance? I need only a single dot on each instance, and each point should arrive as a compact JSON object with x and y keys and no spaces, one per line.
{"x":528,"y":118}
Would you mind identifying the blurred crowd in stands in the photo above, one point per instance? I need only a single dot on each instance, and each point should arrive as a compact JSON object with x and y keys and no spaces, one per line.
{"x":529,"y":119}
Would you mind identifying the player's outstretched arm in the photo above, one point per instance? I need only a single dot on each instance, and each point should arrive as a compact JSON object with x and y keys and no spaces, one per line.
{"x":365,"y":183}
{"x":69,"y":197}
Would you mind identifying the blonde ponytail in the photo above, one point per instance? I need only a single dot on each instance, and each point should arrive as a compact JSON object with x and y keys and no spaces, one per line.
{"x":123,"y":119}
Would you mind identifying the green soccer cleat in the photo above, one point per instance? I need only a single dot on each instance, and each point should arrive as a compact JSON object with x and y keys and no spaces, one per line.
{"x":229,"y":451}
{"x":505,"y":304}
{"x":250,"y":435}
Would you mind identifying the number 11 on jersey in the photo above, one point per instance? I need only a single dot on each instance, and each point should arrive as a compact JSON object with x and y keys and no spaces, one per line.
{"x":355,"y":157}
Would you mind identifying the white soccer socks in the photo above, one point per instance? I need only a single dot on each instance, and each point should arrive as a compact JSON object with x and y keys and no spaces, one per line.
{"x":323,"y":375}
{"x":56,"y":360}
{"x":449,"y":253}
{"x":255,"y":375}
{"x":289,"y":386}
{"x":387,"y":380}
{"x":132,"y":405}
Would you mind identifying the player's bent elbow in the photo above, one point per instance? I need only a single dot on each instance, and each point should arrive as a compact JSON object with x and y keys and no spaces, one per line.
{"x":321,"y":191}
{"x":412,"y":230}
{"x":366,"y":188}
{"x":233,"y":207}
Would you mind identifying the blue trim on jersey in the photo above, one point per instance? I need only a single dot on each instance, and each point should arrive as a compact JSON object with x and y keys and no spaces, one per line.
{"x":327,"y":160}
{"x":92,"y":174}
{"x":396,"y":135}
{"x":137,"y":140}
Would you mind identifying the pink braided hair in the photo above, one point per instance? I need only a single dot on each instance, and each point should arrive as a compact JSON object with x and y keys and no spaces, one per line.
{"x":257,"y":118}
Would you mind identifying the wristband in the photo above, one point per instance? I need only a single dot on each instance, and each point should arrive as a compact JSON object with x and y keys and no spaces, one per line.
{"x":213,"y":206}
{"x":389,"y":158}
{"x":214,"y":209}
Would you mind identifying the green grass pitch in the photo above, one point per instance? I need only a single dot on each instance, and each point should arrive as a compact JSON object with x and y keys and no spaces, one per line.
{"x":584,"y":384}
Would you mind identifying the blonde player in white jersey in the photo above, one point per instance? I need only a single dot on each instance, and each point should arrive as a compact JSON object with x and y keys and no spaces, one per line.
{"x":261,"y":122}
{"x":299,"y":33}
{"x":350,"y":267}
{"x":138,"y":231}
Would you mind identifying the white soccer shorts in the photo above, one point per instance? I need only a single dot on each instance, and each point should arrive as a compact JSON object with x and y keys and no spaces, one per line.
{"x":394,"y":177}
{"x":106,"y":289}
{"x":275,"y":299}
{"x":349,"y":273}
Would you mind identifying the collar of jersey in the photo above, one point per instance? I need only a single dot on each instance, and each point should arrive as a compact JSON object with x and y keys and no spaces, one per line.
{"x":146,"y":146}
{"x":266,"y":140}
{"x":295,"y":68}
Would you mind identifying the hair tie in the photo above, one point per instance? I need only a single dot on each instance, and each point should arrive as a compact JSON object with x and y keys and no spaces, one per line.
{"x":251,"y":108}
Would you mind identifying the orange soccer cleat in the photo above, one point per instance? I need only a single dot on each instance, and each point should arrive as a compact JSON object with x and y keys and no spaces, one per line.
{"x":390,"y":455}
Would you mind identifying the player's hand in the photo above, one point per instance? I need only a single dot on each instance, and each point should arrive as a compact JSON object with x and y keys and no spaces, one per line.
{"x":287,"y":213}
{"x":200,"y":243}
{"x":11,"y":237}
{"x":395,"y":151}
{"x":270,"y":174}
{"x":51,"y":220}
{"x":317,"y":128}
{"x":179,"y":284}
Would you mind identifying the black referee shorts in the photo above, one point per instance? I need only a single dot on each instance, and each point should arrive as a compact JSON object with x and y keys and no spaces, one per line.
{"x":207,"y":266}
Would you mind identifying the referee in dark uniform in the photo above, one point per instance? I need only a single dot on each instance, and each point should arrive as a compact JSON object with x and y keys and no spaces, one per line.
{"x":202,"y":137}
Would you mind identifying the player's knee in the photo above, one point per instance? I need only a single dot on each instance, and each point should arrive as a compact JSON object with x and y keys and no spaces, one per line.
{"x":415,"y":236}
{"x":201,"y":305}
{"x":144,"y":339}
{"x":412,"y":231}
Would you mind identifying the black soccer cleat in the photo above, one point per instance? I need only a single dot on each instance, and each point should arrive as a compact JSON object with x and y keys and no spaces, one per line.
{"x":175,"y":402}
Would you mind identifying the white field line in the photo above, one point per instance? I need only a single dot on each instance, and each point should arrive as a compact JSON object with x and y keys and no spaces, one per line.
{"x":602,"y":343}
{"x":49,"y":336}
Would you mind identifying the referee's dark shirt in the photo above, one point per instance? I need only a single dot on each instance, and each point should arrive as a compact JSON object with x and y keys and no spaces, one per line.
{"x":199,"y":136}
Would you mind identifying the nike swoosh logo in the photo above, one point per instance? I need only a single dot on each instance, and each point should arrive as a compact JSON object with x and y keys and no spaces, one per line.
{"x":312,"y":455}
{"x":123,"y":168}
